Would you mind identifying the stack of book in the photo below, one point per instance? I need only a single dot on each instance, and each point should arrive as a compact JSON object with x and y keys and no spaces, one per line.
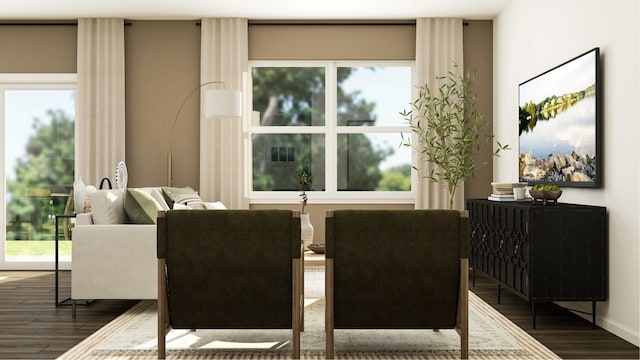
{"x":507,"y":197}
{"x":502,"y":197}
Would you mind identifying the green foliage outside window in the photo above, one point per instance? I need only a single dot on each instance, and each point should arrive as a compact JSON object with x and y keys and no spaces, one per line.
{"x":292,"y":96}
{"x":43,"y":175}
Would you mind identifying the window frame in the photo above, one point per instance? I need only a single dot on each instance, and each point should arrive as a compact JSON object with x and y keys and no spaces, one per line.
{"x":331,"y":131}
{"x":28,"y":81}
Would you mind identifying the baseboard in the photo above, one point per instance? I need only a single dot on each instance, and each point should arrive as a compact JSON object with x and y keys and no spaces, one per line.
{"x":613,"y":327}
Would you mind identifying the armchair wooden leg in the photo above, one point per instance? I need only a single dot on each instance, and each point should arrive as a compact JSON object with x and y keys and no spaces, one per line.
{"x":302,"y":284}
{"x":297,"y":309}
{"x":463,"y":309}
{"x":163,"y":311}
{"x":328,"y":323}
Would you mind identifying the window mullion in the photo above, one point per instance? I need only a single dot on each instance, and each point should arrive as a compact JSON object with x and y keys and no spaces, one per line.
{"x":331,"y":137}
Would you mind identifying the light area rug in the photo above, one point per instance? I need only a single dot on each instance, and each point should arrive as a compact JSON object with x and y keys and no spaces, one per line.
{"x":133,"y":336}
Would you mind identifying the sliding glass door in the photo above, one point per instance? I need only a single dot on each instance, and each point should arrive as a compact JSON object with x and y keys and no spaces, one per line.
{"x":38,"y":118}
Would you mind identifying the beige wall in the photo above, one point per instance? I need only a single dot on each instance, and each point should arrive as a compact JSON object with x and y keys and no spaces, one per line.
{"x":162,"y":66}
{"x":478,"y":54}
{"x":38,"y":48}
{"x":331,"y":42}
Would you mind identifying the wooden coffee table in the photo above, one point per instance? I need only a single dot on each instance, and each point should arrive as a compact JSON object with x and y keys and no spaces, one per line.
{"x":313,"y":259}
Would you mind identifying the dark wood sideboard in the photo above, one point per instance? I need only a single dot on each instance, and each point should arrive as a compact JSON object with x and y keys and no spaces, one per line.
{"x":542,"y":253}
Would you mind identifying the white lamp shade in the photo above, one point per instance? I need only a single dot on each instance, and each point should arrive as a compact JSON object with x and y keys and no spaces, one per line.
{"x":223,"y":103}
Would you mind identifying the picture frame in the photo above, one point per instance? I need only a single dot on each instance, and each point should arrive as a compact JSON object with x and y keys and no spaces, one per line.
{"x":559,"y":124}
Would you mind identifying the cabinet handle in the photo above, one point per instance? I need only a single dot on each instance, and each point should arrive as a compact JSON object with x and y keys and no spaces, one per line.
{"x":515,"y":250}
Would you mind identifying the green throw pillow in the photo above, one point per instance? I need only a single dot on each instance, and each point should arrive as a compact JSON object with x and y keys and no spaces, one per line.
{"x":141,"y":207}
{"x":180,"y":195}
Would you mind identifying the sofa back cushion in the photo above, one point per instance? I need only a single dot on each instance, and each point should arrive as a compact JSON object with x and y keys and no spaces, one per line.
{"x":141,"y":206}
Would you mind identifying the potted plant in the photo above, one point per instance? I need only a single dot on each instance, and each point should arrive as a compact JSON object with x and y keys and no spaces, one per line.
{"x":305,"y":180}
{"x":447,"y":128}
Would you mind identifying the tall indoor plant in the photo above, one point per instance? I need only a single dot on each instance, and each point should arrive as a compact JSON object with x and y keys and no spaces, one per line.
{"x":446,"y":126}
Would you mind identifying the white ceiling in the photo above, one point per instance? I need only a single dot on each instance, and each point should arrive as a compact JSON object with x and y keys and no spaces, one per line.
{"x":251,"y":9}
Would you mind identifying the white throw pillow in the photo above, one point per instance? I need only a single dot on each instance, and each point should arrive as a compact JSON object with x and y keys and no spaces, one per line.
{"x":214,"y":205}
{"x":177,"y":206}
{"x":107,"y":207}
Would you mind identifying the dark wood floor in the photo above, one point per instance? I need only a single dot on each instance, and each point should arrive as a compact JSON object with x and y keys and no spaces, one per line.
{"x":31,"y":327}
{"x":566,"y":334}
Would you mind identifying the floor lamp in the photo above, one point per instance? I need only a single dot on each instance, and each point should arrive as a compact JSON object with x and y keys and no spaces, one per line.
{"x":217,"y":103}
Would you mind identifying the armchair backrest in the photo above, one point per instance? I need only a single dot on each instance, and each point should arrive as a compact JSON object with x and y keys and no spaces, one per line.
{"x":229,"y":268}
{"x":396,"y":268}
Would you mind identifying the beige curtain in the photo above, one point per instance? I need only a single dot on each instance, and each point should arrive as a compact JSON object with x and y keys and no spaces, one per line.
{"x":438,"y":46}
{"x":100,"y":126}
{"x":224,"y":57}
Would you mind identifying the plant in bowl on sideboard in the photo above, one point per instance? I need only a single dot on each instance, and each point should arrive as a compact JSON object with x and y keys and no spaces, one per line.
{"x":545,"y":193}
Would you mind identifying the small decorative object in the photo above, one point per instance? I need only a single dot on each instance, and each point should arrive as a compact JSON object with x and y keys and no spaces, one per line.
{"x":317,"y":248}
{"x":306,"y":228}
{"x":122,"y":175}
{"x":79,"y":195}
{"x":545,"y":193}
{"x":108,"y":182}
{"x":519,"y":193}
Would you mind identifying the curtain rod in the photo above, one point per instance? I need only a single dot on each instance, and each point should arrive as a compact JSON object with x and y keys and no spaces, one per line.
{"x":251,"y":22}
{"x":40,"y":23}
{"x":46,"y":23}
{"x":331,"y":22}
{"x":337,"y":22}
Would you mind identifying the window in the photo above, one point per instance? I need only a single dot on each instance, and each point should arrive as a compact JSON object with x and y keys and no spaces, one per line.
{"x":339,"y":120}
{"x":38,"y":119}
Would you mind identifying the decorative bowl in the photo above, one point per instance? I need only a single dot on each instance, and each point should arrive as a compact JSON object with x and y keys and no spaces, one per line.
{"x":545,"y":195}
{"x":316,"y":248}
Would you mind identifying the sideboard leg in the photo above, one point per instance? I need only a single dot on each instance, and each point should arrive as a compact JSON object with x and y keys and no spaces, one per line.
{"x":593,"y":314}
{"x":533,"y":312}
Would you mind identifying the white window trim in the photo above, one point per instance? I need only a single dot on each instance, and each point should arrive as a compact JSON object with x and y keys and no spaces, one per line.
{"x":331,"y":130}
{"x":26,"y":81}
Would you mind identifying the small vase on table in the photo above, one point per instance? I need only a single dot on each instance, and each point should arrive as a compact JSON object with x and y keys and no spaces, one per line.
{"x":306,"y":230}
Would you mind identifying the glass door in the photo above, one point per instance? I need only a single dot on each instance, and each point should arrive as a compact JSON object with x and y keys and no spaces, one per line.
{"x":39,"y":132}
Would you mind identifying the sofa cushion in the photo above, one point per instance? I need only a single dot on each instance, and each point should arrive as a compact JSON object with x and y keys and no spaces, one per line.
{"x":107,"y":207}
{"x":181,"y":196}
{"x":140,"y":206}
{"x":157,"y":194}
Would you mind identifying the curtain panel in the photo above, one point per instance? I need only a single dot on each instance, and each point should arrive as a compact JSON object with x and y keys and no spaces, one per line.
{"x":100,"y":113}
{"x":224,"y":57}
{"x":438,"y":48}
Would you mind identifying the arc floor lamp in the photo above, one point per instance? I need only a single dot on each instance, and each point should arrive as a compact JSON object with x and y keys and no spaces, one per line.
{"x":217,"y":103}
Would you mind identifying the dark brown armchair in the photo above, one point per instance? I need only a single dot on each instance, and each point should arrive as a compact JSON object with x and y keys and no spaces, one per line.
{"x":397,"y":269}
{"x":229,"y":269}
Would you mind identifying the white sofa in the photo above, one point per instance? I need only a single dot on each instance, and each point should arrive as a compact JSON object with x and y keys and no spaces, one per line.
{"x":113,"y":261}
{"x":114,"y":252}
